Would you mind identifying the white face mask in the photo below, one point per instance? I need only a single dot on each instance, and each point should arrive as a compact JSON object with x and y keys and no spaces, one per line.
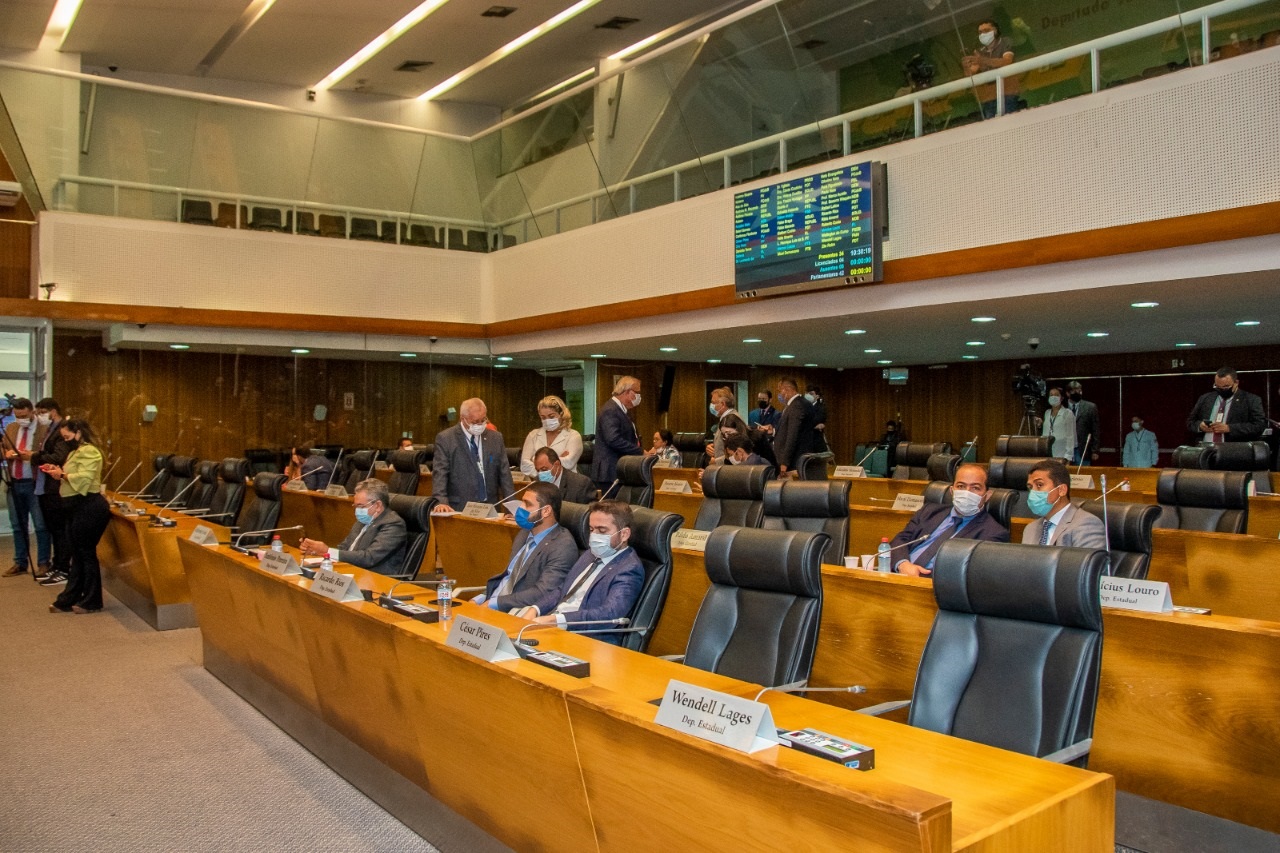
{"x":22,"y":422}
{"x":476,"y":429}
{"x":812,"y":399}
{"x":551,"y":423}
{"x":1055,"y":400}
{"x":44,"y":420}
{"x":987,"y":38}
{"x":712,"y":407}
{"x":601,"y":545}
{"x":636,"y":401}
{"x":966,"y":504}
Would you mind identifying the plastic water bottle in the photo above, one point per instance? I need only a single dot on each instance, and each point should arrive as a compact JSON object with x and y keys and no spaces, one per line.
{"x":882,"y":556}
{"x":326,"y":565}
{"x":276,"y":544}
{"x":444,"y":598}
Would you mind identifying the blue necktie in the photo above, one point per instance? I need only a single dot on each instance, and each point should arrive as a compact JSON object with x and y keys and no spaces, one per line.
{"x":926,"y":551}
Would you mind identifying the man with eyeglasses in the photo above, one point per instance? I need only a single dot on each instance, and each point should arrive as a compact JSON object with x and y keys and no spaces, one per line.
{"x":916,"y":547}
{"x":377,"y":539}
{"x":470,"y":462}
{"x":1227,"y":413}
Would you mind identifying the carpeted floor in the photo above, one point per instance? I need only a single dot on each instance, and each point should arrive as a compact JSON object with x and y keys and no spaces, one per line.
{"x":119,"y":740}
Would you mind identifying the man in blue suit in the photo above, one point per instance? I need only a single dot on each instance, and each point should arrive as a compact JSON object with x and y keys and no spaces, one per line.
{"x":606,"y":581}
{"x":616,"y":435}
{"x":470,"y":463}
{"x":916,"y":547}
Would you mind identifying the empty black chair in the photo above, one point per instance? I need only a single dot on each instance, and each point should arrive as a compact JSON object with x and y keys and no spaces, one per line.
{"x":1129,"y":527}
{"x":266,"y":219}
{"x":1018,"y":672}
{"x":418,"y":235}
{"x":1210,"y":501}
{"x":810,"y":507}
{"x":477,"y":241}
{"x":363,"y":229}
{"x":1038,"y":446}
{"x":759,"y":619}
{"x":573,"y":517}
{"x":911,"y":459}
{"x":416,"y":512}
{"x":388,"y":234}
{"x":360,"y":468}
{"x":1010,"y":472}
{"x":264,"y":512}
{"x":813,"y":466}
{"x":407,"y":465}
{"x":651,"y":533}
{"x":732,"y":494}
{"x":1000,"y":503}
{"x":513,"y":457}
{"x":183,"y":471}
{"x":942,"y":466}
{"x":588,"y":451}
{"x":306,"y":223}
{"x":154,"y":488}
{"x":228,"y":499}
{"x":454,"y":238}
{"x":1197,"y":456}
{"x":197,"y":212}
{"x":202,"y":495}
{"x":635,"y":480}
{"x":1252,"y":456}
{"x":430,"y":451}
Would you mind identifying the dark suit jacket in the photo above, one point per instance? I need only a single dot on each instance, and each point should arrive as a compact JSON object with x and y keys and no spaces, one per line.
{"x":795,"y":434}
{"x":616,"y":437}
{"x":1245,"y":417}
{"x":543,"y":571}
{"x":1086,"y":426}
{"x":612,"y":596}
{"x":926,"y":520}
{"x":455,"y":478}
{"x":316,"y":471}
{"x":53,"y":451}
{"x":381,"y":548}
{"x":38,"y":434}
{"x":1078,"y":529}
{"x":576,"y":488}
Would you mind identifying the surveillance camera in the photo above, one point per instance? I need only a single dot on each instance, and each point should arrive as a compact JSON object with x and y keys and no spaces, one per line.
{"x":1034,"y":343}
{"x":311,"y":94}
{"x":113,"y":68}
{"x":433,"y":339}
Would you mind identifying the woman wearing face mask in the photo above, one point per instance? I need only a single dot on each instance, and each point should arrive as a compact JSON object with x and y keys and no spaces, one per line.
{"x":86,"y":516}
{"x":556,"y":432}
{"x":664,"y":447}
{"x":1060,"y":423}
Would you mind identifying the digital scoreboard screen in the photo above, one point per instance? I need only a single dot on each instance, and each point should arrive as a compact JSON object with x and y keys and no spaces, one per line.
{"x":817,"y":231}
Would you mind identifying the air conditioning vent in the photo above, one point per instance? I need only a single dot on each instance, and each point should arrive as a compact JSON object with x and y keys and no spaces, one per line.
{"x":497,"y":11}
{"x":617,"y":23}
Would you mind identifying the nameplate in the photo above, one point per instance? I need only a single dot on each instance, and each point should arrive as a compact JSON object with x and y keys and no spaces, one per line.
{"x":381,"y":465}
{"x":295,"y":486}
{"x":478,"y":509}
{"x":911,"y":502}
{"x":666,"y":463}
{"x":849,"y":472}
{"x":338,"y":587}
{"x":424,"y":469}
{"x":280,"y":563}
{"x":675,"y":487}
{"x":691,"y":540}
{"x":480,"y":640}
{"x":334,"y":490}
{"x":1082,"y":481}
{"x":1145,"y":596}
{"x":717,"y":717}
{"x":203,"y":535}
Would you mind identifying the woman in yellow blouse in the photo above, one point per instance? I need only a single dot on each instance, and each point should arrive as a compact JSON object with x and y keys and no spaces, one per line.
{"x":87,"y":514}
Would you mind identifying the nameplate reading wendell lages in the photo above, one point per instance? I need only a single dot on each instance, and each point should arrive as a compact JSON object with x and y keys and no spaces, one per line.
{"x":690,"y":540}
{"x":280,"y":563}
{"x":338,"y":587}
{"x":717,"y":717}
{"x":911,"y":502}
{"x":1126,"y":594}
{"x":479,"y":509}
{"x":849,"y":472}
{"x":203,"y":535}
{"x":1082,"y":481}
{"x":480,"y":640}
{"x":675,"y":487}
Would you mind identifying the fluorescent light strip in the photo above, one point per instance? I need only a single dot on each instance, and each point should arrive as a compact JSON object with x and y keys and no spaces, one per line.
{"x":64,"y":15}
{"x":376,"y":46}
{"x":638,"y":46}
{"x":564,"y":84}
{"x":508,"y":49}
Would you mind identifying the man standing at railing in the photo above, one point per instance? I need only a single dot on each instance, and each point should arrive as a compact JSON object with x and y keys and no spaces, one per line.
{"x":996,"y":52}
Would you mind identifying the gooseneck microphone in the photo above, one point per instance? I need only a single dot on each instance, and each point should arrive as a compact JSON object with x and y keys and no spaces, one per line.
{"x":799,"y":687}
{"x":620,"y":622}
{"x":1084,"y":451}
{"x":240,"y":536}
{"x":183,"y":491}
{"x":334,"y":472}
{"x":128,"y":477}
{"x":501,"y":501}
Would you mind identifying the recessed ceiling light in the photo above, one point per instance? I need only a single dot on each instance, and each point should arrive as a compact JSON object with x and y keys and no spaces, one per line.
{"x":373,"y":48}
{"x":1185,"y":344}
{"x":597,"y":355}
{"x":667,"y":349}
{"x":1096,"y":334}
{"x":179,"y":346}
{"x":64,"y":15}
{"x":810,"y":364}
{"x":785,"y":355}
{"x":751,"y":340}
{"x":872,"y":351}
{"x":855,"y":331}
{"x":884,"y":361}
{"x":970,"y":357}
{"x":501,"y":366}
{"x":299,"y":351}
{"x":408,"y":355}
{"x":1144,"y":304}
{"x":982,"y":319}
{"x":975,"y":343}
{"x":1249,"y":323}
{"x":713,"y":361}
{"x":505,"y":358}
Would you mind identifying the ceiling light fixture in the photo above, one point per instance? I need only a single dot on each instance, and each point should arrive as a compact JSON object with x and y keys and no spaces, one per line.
{"x":179,"y":346}
{"x":408,"y":355}
{"x":785,"y":355}
{"x":872,"y":351}
{"x":969,"y":357}
{"x":563,"y":84}
{"x":855,"y":331}
{"x":810,"y":364}
{"x":501,"y":366}
{"x":975,"y":343}
{"x":597,"y":355}
{"x":299,"y":351}
{"x":751,"y":340}
{"x":505,"y":358}
{"x":376,"y":46}
{"x":1144,"y":304}
{"x":1185,"y":344}
{"x":1249,"y":323}
{"x":64,"y":15}
{"x":1096,"y":334}
{"x":668,"y":349}
{"x":884,"y":361}
{"x":982,"y":319}
{"x":713,"y":361}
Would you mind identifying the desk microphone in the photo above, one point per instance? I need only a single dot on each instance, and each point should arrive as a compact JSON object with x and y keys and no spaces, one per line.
{"x":334,"y":472}
{"x":182,"y":492}
{"x":143,"y":492}
{"x":1106,"y":491}
{"x":605,"y":494}
{"x":104,"y":477}
{"x":799,"y":687}
{"x":128,"y":477}
{"x":873,"y":449}
{"x":966,"y":447}
{"x":1084,"y":451}
{"x":1106,"y":522}
{"x":240,"y":536}
{"x":620,"y":622}
{"x":501,"y":501}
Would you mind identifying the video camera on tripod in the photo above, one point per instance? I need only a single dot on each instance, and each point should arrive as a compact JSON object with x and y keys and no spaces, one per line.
{"x":7,"y":409}
{"x":1030,"y":386}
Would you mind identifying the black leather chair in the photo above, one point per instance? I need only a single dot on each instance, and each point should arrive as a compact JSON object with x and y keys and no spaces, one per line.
{"x":197,"y":211}
{"x":1000,"y":504}
{"x":1252,"y":456}
{"x":1038,"y":446}
{"x":573,"y":517}
{"x":911,"y":459}
{"x":513,"y":457}
{"x":266,"y":219}
{"x":588,"y":452}
{"x":1129,"y":527}
{"x":732,"y":494}
{"x":651,"y":533}
{"x":758,"y":621}
{"x":359,"y":467}
{"x":942,"y":466}
{"x":812,"y":508}
{"x":416,"y":513}
{"x":153,"y":488}
{"x":1197,"y":456}
{"x":1210,"y":501}
{"x":1010,"y":472}
{"x":202,"y":495}
{"x":228,"y":499}
{"x":813,"y":466}
{"x":179,"y":485}
{"x":363,"y":228}
{"x":264,"y":512}
{"x":404,"y":479}
{"x":635,"y":480}
{"x":1019,"y":672}
{"x":693,"y":449}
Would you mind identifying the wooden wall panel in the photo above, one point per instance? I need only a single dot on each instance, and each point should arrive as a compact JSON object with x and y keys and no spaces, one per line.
{"x":15,"y":243}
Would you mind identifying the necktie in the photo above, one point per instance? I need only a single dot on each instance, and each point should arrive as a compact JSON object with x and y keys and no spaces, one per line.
{"x":582,"y":578}
{"x":515,"y":571}
{"x":1218,"y":408}
{"x":926,"y":551}
{"x":18,"y":471}
{"x":1046,"y":531}
{"x":482,"y":492}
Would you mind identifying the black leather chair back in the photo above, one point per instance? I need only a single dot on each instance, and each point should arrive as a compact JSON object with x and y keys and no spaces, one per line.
{"x":361,"y":468}
{"x":759,"y":620}
{"x":159,"y":477}
{"x":588,"y":453}
{"x":202,"y":495}
{"x":942,"y":466}
{"x":732,"y":494}
{"x":430,"y":450}
{"x":1010,"y":472}
{"x":513,"y":456}
{"x":264,"y":512}
{"x":182,"y":470}
{"x":573,"y":517}
{"x":1037,"y":446}
{"x":1252,"y":456}
{"x":1197,"y":456}
{"x":404,"y":478}
{"x":1211,"y":501}
{"x":812,"y":508}
{"x":1129,"y":527}
{"x":813,"y":466}
{"x":635,"y":480}
{"x":1000,"y":504}
{"x":911,"y":460}
{"x":416,"y":513}
{"x":229,"y":497}
{"x":651,"y":533}
{"x":1019,"y":672}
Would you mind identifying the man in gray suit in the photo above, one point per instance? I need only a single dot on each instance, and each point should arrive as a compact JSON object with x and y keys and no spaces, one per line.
{"x":542,"y":553}
{"x":574,"y":487}
{"x":377,"y":539}
{"x":470,"y":462}
{"x":1060,"y":522}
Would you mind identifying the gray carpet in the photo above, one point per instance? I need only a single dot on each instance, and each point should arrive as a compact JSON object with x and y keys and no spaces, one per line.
{"x":119,"y":740}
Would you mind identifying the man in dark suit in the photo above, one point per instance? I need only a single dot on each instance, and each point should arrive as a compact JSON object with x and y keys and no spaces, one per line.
{"x":795,"y":434}
{"x":606,"y":581}
{"x":1059,"y":521}
{"x":314,"y":469}
{"x":542,"y":553}
{"x":738,"y":450}
{"x":470,"y":463}
{"x":23,"y":436}
{"x":966,"y":518}
{"x":1087,"y":424}
{"x":1227,"y":413}
{"x":54,"y":451}
{"x":377,"y":539}
{"x":573,"y":487}
{"x":616,"y":435}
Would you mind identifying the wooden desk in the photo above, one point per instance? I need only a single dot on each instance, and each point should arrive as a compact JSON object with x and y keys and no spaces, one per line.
{"x":534,"y":756}
{"x":322,"y":517}
{"x":1264,"y":516}
{"x":472,"y":550}
{"x":872,"y":491}
{"x":685,"y":506}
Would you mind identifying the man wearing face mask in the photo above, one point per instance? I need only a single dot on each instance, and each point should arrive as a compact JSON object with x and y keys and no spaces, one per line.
{"x":738,"y":450}
{"x":54,"y":451}
{"x":916,"y":547}
{"x":1141,"y":450}
{"x":470,"y":462}
{"x":377,"y":539}
{"x":22,"y":437}
{"x":1227,"y":413}
{"x":572,"y":486}
{"x":616,"y":435}
{"x":1086,"y":415}
{"x":814,"y":395}
{"x":606,"y":581}
{"x":1058,"y":521}
{"x":995,"y":52}
{"x":764,"y":414}
{"x":729,"y":423}
{"x":795,"y":435}
{"x":1060,"y":423}
{"x":541,"y":554}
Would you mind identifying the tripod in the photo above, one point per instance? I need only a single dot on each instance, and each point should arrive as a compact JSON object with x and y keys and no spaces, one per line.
{"x":1028,"y":415}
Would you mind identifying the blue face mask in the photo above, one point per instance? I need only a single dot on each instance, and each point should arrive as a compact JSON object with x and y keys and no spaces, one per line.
{"x":524,"y":520}
{"x":546,"y":477}
{"x":362,"y":515}
{"x":1039,"y":503}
